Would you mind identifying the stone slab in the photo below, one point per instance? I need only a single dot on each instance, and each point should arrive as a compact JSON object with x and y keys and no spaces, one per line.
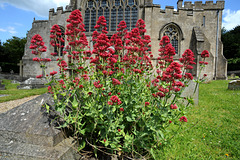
{"x":10,"y":150}
{"x":32,"y":83}
{"x":27,"y":132}
{"x":234,"y":85}
{"x":29,"y":123}
{"x":2,"y":87}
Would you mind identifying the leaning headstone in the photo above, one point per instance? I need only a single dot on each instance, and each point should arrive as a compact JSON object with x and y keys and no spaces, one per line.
{"x":28,"y":132}
{"x":2,"y":86}
{"x":234,"y":85}
{"x":32,"y":83}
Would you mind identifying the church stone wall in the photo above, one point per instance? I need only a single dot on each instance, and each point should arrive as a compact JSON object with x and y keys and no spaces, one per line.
{"x":187,"y":16}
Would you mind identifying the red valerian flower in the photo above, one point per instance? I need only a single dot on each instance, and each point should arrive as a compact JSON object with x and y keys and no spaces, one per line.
{"x":170,"y":121}
{"x":173,"y":106}
{"x":49,"y":89}
{"x":80,"y":86}
{"x":115,"y":81}
{"x":147,"y":103}
{"x":37,"y":45}
{"x":121,"y":109}
{"x":119,"y":130}
{"x":205,"y":54}
{"x":39,"y":76}
{"x":183,"y":119}
{"x":36,"y":59}
{"x":115,"y":99}
{"x":97,"y":85}
{"x":53,"y":73}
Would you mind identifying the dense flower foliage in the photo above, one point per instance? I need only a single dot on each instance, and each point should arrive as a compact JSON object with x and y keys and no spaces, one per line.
{"x":114,"y":97}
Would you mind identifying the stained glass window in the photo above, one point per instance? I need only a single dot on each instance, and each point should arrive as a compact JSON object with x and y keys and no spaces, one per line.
{"x":87,"y":19}
{"x":113,"y":19}
{"x":93,"y":19}
{"x":134,"y":17}
{"x":118,"y":10}
{"x":127,"y":17}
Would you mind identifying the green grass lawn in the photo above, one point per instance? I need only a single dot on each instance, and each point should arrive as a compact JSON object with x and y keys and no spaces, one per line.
{"x":213,"y":127}
{"x":14,"y":93}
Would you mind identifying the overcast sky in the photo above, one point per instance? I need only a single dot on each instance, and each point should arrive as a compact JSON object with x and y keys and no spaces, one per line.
{"x":16,"y":16}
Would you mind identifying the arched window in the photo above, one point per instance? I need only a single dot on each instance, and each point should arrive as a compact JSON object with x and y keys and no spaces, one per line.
{"x":120,"y":14}
{"x":60,"y":51}
{"x":113,"y":19}
{"x":93,"y":19}
{"x":118,"y":10}
{"x":106,"y":15}
{"x":87,"y":19}
{"x":100,"y":12}
{"x":174,"y":33}
{"x":134,"y":17}
{"x":127,"y":17}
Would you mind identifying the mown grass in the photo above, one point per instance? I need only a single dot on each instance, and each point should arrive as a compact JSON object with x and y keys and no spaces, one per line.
{"x":14,"y":93}
{"x":213,"y":127}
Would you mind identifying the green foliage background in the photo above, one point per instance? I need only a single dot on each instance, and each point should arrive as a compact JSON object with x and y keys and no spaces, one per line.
{"x":231,"y":47}
{"x":11,"y":53}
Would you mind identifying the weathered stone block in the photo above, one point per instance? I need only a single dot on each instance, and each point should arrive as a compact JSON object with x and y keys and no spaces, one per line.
{"x":28,"y":132}
{"x":32,"y":83}
{"x":234,"y":85}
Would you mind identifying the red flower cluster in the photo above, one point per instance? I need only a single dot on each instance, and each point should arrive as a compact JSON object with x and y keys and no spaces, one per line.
{"x":173,"y":106}
{"x":147,"y":103}
{"x":115,"y":81}
{"x":172,"y":72}
{"x":167,"y":51}
{"x":53,"y":73}
{"x":114,"y":100}
{"x":187,"y":59}
{"x":183,"y":119}
{"x":56,"y":38}
{"x":37,"y":45}
{"x":101,"y":24}
{"x":141,"y":26}
{"x":39,"y":76}
{"x":75,"y":30}
{"x":97,"y":85}
{"x":205,"y":54}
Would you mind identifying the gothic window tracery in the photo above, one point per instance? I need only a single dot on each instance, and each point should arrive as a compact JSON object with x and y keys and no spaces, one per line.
{"x":173,"y":33}
{"x":113,"y":10}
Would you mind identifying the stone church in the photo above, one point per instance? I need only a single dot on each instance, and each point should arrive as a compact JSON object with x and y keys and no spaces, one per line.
{"x":196,"y":26}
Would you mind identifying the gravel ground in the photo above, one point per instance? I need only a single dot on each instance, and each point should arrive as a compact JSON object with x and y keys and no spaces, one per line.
{"x":5,"y":106}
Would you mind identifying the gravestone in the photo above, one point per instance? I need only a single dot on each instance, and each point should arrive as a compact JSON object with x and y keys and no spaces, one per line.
{"x":27,"y":132}
{"x":234,"y":85}
{"x":2,"y":86}
{"x":33,"y":83}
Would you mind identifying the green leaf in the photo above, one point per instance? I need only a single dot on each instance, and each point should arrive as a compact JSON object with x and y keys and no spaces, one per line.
{"x":74,"y":103}
{"x":47,"y":107}
{"x":129,"y":119}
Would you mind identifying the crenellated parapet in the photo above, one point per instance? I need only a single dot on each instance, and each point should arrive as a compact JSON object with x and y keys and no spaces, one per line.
{"x":59,"y":11}
{"x":198,"y":5}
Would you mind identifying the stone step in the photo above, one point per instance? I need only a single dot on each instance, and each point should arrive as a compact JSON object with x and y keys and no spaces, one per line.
{"x":28,"y":132}
{"x":29,"y":123}
{"x":64,"y":150}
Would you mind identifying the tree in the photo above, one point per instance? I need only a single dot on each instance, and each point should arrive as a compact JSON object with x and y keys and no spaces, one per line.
{"x":231,"y":47}
{"x":13,"y":50}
